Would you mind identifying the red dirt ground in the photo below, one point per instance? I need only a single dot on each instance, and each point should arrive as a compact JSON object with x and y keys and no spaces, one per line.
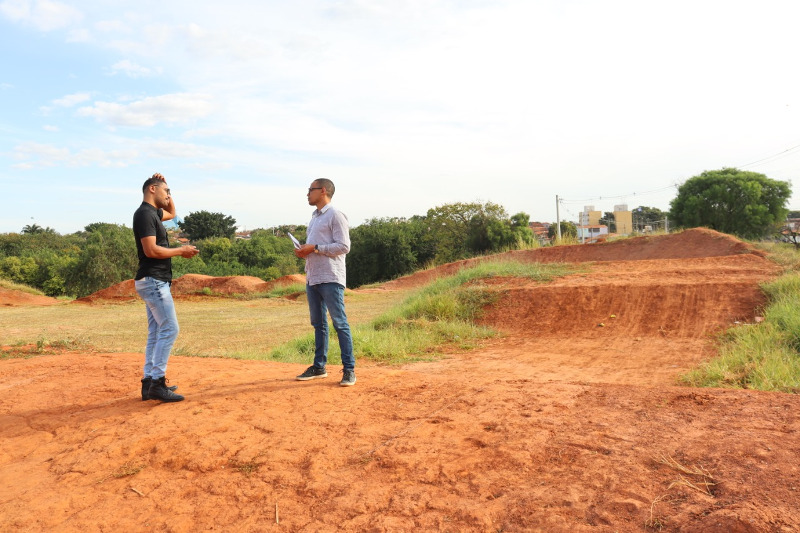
{"x":563,"y":424}
{"x":12,"y":298}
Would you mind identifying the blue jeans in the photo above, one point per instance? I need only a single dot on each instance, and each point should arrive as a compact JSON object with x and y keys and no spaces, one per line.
{"x":329,"y":297}
{"x":162,"y":325}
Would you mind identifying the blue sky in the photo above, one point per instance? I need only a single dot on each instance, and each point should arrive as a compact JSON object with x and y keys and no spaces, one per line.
{"x":404,"y":104}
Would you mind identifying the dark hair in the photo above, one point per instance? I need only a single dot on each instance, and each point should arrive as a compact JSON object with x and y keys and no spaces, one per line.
{"x":328,"y":185}
{"x":153,"y":180}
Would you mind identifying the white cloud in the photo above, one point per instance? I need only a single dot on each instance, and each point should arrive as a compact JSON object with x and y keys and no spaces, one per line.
{"x":169,"y":108}
{"x":79,"y":35}
{"x":116,"y":191}
{"x":71,"y":100}
{"x":36,"y":155}
{"x":132,"y":70}
{"x":112,"y":26}
{"x":104,"y":158}
{"x":41,"y":154}
{"x":44,"y":15}
{"x":173,"y":150}
{"x":49,"y":127}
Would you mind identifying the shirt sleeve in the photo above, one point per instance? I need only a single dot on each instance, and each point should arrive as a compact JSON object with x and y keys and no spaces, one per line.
{"x":340,"y":231}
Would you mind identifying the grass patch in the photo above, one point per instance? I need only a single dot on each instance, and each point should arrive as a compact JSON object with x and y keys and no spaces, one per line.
{"x":43,"y":346}
{"x":763,"y":356}
{"x":282,"y":291}
{"x":13,"y":286}
{"x":782,"y":253}
{"x":437,"y":317}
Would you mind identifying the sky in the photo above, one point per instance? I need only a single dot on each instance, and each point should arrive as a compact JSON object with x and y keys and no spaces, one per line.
{"x":405,"y":104}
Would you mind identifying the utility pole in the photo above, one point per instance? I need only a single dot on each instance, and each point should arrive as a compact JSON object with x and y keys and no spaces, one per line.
{"x":558,"y":221}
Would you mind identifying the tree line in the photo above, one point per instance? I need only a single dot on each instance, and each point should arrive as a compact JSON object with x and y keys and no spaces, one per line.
{"x":740,"y":203}
{"x":103,"y":254}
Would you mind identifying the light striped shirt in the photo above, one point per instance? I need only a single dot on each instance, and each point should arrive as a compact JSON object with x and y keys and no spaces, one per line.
{"x":330,"y":230}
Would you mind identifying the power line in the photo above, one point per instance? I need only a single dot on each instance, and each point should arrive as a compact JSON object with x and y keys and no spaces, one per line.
{"x":635,"y":194}
{"x":775,"y":156}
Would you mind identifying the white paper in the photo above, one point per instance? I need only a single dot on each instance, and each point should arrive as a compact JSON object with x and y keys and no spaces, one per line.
{"x":295,"y":241}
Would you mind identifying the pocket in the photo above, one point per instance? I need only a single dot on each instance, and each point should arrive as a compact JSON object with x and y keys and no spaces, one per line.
{"x":145,"y":287}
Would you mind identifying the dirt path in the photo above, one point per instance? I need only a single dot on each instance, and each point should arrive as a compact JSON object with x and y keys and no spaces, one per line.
{"x":560,"y":425}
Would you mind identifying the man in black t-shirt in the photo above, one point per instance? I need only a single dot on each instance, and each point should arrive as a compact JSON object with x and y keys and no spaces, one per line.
{"x":153,"y":280}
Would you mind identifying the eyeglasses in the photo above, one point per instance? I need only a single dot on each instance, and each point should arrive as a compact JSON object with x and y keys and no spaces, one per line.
{"x":314,"y":188}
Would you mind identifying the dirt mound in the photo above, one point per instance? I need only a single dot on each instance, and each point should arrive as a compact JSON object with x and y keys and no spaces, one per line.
{"x":120,"y":292}
{"x":679,"y":298}
{"x":10,"y":298}
{"x":192,"y":285}
{"x":692,"y":243}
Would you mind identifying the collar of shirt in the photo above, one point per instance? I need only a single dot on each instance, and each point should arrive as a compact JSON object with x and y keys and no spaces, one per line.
{"x":318,"y":212}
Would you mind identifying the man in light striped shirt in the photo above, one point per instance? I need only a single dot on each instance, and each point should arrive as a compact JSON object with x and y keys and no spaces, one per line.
{"x":327,"y":243}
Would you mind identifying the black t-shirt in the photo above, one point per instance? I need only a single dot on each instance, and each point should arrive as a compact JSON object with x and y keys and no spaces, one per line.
{"x":147,"y":223}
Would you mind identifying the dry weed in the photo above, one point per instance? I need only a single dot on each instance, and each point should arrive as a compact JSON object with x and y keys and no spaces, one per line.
{"x":698,"y":478}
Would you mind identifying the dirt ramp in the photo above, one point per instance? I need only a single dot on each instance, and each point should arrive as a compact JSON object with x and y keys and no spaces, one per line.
{"x":10,"y":298}
{"x":692,"y":243}
{"x":191,"y":284}
{"x":686,"y":298}
{"x":121,"y":292}
{"x":677,"y":310}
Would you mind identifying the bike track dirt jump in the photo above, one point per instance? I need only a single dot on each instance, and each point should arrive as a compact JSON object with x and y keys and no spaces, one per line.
{"x":572,"y":420}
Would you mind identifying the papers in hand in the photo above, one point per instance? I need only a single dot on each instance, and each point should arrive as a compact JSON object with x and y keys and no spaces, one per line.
{"x":295,"y":241}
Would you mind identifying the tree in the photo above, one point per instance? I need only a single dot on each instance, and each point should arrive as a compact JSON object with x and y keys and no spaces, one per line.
{"x":746,"y":204}
{"x":264,"y":250}
{"x":34,"y":229}
{"x":204,"y":225}
{"x":610,"y":221}
{"x":494,"y":234}
{"x":107,"y":258}
{"x":647,"y":216}
{"x":461,"y":229}
{"x":568,"y":229}
{"x":380,"y":250}
{"x":423,"y":242}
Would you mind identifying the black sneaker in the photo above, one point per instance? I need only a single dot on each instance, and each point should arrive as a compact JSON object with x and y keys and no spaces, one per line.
{"x":312,"y":372}
{"x":348,"y":378}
